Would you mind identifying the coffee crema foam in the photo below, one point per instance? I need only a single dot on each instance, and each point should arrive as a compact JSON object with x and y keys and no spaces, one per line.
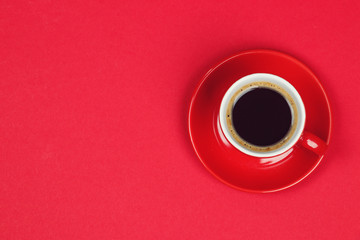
{"x":242,"y":91}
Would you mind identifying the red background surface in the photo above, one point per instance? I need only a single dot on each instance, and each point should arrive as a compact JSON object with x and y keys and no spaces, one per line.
{"x":93,"y":119}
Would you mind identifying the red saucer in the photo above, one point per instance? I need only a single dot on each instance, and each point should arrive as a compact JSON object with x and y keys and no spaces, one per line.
{"x":233,"y":167}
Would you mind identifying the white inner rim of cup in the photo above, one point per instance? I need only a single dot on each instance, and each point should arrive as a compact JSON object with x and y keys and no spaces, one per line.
{"x":263,"y":77}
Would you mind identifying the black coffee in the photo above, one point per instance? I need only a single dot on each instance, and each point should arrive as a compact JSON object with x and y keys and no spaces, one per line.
{"x":262,"y":117}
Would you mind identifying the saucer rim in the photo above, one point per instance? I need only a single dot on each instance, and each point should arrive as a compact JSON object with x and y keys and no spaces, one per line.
{"x":257,"y":51}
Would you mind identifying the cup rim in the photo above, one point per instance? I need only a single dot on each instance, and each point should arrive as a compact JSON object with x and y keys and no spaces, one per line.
{"x":263,"y":77}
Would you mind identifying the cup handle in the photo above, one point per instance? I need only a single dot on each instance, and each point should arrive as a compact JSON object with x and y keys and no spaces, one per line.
{"x":313,"y":143}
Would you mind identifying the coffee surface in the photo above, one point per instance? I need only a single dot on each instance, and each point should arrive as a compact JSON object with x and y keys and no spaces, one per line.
{"x":262,"y":117}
